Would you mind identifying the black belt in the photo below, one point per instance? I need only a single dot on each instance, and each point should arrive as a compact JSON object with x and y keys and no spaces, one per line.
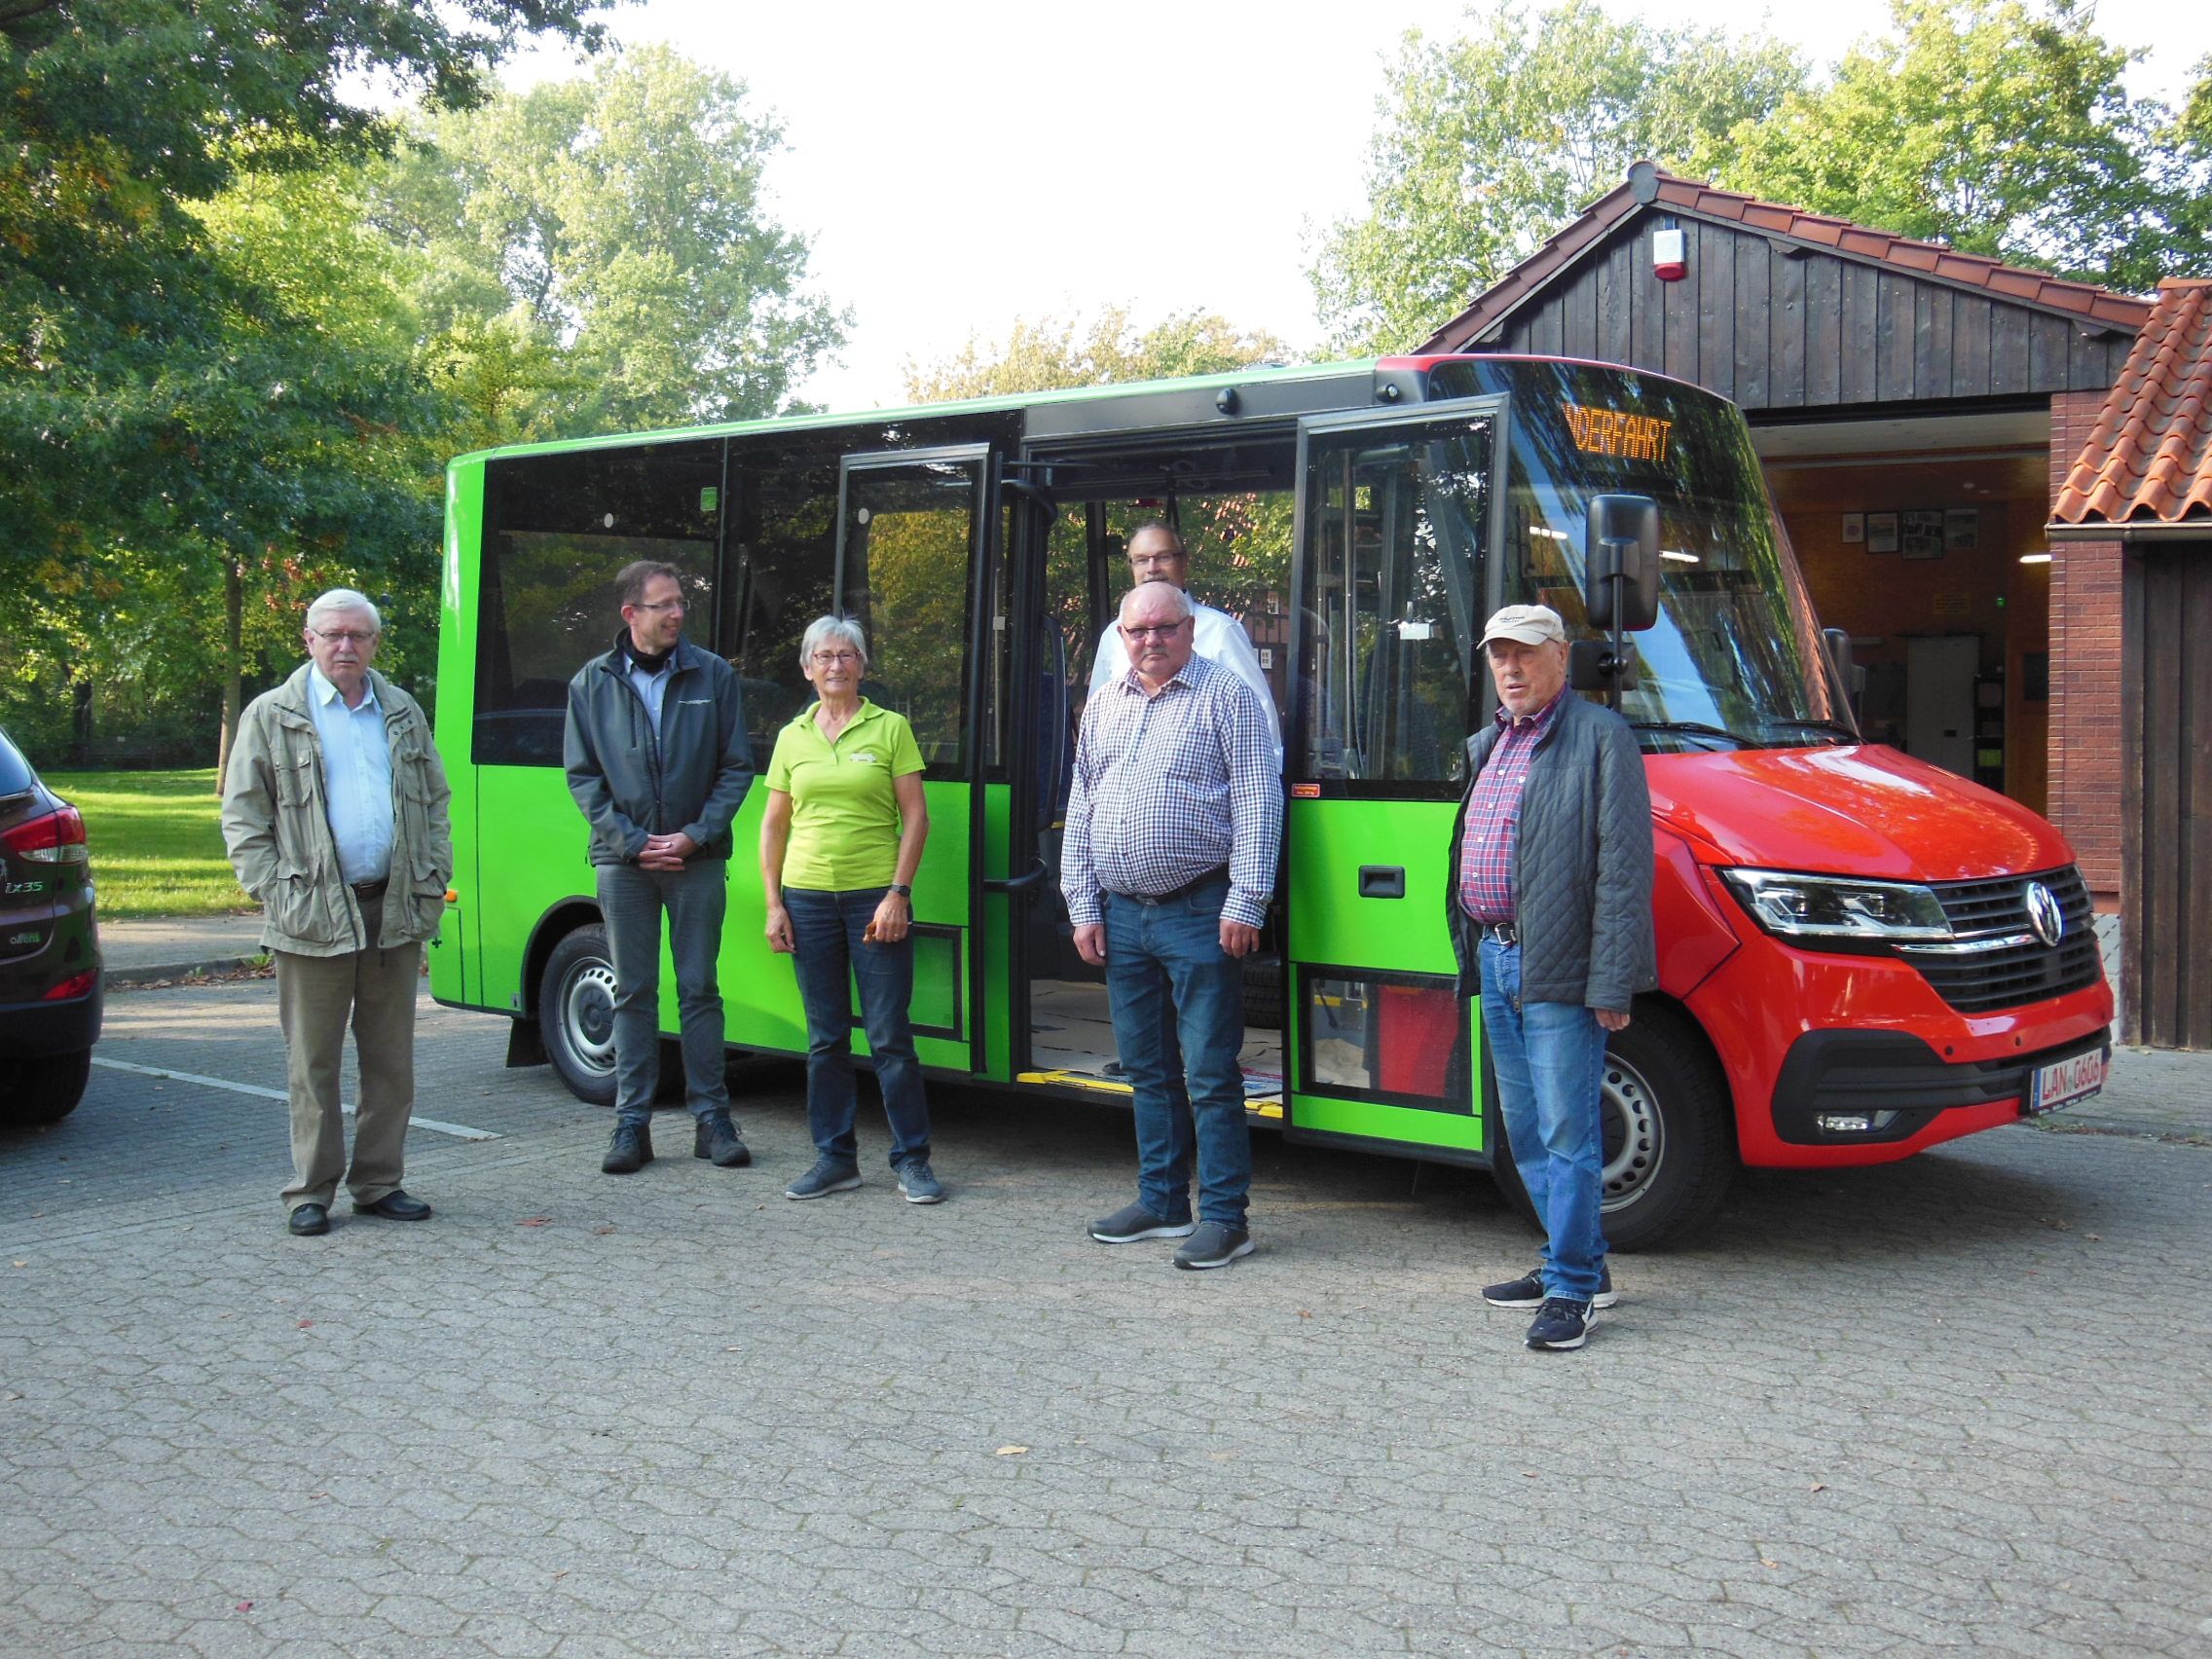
{"x":1218,"y":873}
{"x":1505,"y":933}
{"x":367,"y":890}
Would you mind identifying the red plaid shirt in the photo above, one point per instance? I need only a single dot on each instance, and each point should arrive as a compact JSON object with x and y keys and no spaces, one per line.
{"x":1494,"y":816}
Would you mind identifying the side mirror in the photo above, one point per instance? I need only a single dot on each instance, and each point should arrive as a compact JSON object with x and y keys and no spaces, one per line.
{"x":1593,"y":666}
{"x":1852,"y":676}
{"x":1621,"y":555}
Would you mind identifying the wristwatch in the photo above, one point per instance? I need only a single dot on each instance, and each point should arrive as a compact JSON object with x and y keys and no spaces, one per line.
{"x":902,"y":889}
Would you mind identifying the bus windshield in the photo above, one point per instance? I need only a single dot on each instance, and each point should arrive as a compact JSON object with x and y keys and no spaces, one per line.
{"x":1736,"y":659}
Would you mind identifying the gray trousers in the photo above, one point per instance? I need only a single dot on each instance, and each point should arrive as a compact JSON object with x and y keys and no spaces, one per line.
{"x":316,"y":997}
{"x":632,"y":899}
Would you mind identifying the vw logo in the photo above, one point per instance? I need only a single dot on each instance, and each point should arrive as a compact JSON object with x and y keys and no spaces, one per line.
{"x":2043,"y":913}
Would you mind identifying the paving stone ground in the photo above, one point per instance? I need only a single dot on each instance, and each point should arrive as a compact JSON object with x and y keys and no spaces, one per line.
{"x":1959,"y":1403}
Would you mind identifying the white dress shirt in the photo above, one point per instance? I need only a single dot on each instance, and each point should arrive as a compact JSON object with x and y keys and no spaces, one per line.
{"x":1216,"y":636}
{"x":357,"y":778}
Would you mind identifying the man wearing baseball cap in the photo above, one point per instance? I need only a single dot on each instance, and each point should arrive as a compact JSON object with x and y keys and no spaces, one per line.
{"x":1550,"y":920}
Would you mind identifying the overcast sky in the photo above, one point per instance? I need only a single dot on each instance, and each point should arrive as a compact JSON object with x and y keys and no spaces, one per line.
{"x":960,"y":162}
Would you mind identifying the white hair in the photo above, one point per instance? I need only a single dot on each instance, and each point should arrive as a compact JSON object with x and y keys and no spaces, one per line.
{"x":345,"y":599}
{"x":1182,"y":601}
{"x":843,"y":629}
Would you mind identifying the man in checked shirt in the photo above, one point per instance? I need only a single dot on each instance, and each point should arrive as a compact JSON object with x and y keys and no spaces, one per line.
{"x":1167,"y":863}
{"x":1551,"y":914}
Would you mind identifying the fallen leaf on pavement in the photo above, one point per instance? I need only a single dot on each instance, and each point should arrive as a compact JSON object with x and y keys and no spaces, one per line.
{"x":1012,"y":1451}
{"x":534,"y":1221}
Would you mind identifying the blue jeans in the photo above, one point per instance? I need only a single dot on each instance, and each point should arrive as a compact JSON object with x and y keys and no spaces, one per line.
{"x":1178,"y":1007}
{"x":831,"y":958}
{"x":1550,"y":1062}
{"x":631,"y":900}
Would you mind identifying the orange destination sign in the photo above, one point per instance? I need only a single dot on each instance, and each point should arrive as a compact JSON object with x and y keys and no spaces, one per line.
{"x":1613,"y":432}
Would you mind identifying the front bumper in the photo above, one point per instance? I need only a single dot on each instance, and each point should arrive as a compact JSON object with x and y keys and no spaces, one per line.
{"x":1896,"y":1078}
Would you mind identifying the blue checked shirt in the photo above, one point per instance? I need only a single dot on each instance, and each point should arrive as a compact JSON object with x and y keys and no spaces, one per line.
{"x":1169,"y":787}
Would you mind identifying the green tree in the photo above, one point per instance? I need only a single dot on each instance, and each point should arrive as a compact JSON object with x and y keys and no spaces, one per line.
{"x":2004,"y":129}
{"x":1053,"y":352}
{"x":167,"y":406}
{"x":596,"y":256}
{"x":1490,"y":143}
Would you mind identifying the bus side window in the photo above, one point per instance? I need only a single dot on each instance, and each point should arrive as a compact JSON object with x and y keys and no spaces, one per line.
{"x":558,"y":529}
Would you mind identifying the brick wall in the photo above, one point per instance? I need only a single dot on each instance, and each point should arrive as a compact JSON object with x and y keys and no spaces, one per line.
{"x":2085,"y":670}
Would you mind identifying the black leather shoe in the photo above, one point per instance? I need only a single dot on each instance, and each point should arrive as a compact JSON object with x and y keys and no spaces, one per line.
{"x":309,"y":1220}
{"x":629,"y":1152}
{"x":717,"y":1139}
{"x":395,"y":1206}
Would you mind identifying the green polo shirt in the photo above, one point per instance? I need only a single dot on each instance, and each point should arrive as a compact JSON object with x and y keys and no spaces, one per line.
{"x":845,"y":811}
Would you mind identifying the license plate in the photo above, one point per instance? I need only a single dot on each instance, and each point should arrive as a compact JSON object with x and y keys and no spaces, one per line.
{"x":2064,"y":1082}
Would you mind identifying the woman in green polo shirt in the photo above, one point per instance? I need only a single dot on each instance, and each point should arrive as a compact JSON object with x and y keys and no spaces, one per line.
{"x":839,"y":846}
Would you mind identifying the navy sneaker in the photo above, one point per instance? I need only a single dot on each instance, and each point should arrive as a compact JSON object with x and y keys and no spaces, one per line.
{"x":1132,"y":1222}
{"x":919,"y":1184}
{"x":826,"y":1177}
{"x":1562,"y":1324}
{"x":1213,"y":1245}
{"x":1528,"y":1291}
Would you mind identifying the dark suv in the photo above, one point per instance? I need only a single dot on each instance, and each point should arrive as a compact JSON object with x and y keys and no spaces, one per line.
{"x":50,"y":948}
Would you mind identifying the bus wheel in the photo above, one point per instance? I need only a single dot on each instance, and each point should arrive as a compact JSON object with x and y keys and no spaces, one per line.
{"x":1667,"y":1158}
{"x":1668,"y":1154}
{"x":575,"y":1013}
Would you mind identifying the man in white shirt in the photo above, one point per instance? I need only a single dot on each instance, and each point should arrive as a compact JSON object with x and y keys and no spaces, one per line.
{"x":1156,"y":554}
{"x":335,"y":816}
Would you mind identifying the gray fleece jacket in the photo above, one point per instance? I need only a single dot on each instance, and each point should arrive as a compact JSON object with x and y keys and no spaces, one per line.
{"x":1581,"y":867}
{"x":632,"y":782}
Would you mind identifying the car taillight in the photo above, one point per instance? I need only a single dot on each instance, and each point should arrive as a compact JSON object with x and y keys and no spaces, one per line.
{"x":57,"y":839}
{"x":76,"y":986}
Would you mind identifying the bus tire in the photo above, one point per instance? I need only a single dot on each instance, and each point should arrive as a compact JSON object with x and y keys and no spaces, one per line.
{"x":1669,"y":1155}
{"x":576,"y":1015}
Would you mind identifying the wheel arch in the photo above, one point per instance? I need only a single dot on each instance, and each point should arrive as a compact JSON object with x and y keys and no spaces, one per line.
{"x":560,"y":920}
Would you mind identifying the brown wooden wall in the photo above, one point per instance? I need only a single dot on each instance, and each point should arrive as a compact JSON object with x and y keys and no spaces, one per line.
{"x":1773,"y":326}
{"x":2165,"y":972}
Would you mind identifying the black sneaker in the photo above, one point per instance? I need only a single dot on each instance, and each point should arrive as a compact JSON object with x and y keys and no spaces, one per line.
{"x":717,"y":1140}
{"x":1132,"y":1222}
{"x":826,"y":1177}
{"x":1562,"y":1324}
{"x":1213,"y":1245}
{"x":629,"y":1151}
{"x":1528,"y":1291}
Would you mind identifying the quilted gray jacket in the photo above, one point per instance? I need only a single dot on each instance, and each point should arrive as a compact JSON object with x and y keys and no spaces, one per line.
{"x":1581,"y":869}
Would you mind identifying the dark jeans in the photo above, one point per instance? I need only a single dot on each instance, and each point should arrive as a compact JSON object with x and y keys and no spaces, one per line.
{"x":631,"y":900}
{"x":831,"y":958}
{"x":1178,"y":1007}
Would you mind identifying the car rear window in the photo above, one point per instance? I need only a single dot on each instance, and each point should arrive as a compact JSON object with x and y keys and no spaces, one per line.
{"x":15,"y":775}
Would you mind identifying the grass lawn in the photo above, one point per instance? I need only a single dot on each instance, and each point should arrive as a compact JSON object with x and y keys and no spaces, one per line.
{"x":156,"y":844}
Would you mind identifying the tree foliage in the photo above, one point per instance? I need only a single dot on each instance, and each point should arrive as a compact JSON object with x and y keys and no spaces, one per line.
{"x":1053,"y":352}
{"x":1490,"y":142}
{"x":2002,"y":127}
{"x":178,"y":418}
{"x":595,"y":254}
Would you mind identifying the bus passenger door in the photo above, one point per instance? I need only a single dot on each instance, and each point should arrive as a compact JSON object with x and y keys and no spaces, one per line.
{"x":1395,"y":515}
{"x":916,"y":566}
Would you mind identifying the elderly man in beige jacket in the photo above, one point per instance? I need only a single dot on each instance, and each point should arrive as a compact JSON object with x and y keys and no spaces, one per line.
{"x":335,"y":814}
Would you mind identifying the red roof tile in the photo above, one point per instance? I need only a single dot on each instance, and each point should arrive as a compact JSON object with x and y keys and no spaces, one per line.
{"x":2149,"y":457}
{"x":1927,"y":260}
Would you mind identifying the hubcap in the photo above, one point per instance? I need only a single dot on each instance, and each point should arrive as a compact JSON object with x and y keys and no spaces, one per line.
{"x":1635,"y":1139}
{"x":587,"y":1015}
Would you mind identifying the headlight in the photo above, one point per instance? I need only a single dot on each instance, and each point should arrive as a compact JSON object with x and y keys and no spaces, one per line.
{"x":1838,"y":908}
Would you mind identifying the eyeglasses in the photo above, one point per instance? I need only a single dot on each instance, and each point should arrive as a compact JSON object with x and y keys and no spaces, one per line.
{"x":342,"y":636}
{"x":1158,"y":558}
{"x":664,"y":605}
{"x":831,"y":659}
{"x":1164,"y":631}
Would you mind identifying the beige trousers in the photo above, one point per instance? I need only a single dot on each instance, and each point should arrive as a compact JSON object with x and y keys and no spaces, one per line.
{"x":316,"y":996}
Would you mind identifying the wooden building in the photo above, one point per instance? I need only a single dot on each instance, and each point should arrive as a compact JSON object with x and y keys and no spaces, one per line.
{"x":1918,"y":411}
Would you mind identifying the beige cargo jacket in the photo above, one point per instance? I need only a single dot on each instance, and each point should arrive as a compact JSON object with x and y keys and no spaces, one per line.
{"x":277,"y":825}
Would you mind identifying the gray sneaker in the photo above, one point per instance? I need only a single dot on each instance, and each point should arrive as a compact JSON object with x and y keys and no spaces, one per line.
{"x":1132,"y":1222}
{"x":826,"y":1177}
{"x":1528,"y":1291}
{"x":1213,"y":1245}
{"x":919,"y":1184}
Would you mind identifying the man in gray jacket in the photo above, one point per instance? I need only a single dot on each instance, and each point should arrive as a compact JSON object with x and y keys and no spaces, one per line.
{"x":1551,"y":917}
{"x":659,"y":762}
{"x":334,"y":814}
